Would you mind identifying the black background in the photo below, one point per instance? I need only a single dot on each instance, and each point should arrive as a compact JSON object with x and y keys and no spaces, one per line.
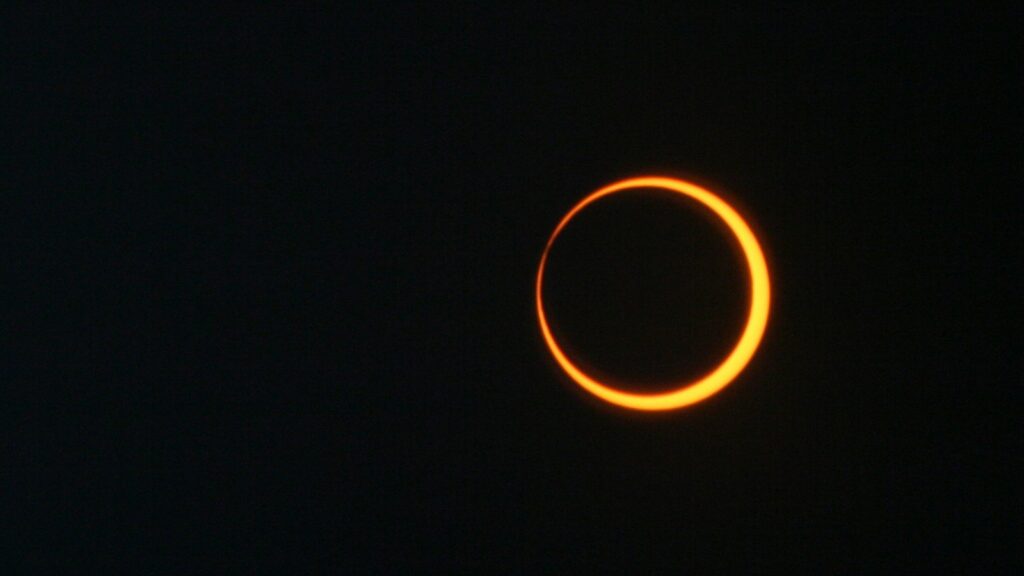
{"x":271,"y":289}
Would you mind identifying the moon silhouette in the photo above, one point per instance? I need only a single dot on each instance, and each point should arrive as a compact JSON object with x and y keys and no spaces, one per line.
{"x":683,"y":393}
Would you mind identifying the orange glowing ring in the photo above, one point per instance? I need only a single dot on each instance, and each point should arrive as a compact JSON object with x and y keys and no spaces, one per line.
{"x":686,"y":393}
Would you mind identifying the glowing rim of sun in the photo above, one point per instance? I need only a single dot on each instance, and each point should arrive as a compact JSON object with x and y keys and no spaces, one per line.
{"x":685,"y":393}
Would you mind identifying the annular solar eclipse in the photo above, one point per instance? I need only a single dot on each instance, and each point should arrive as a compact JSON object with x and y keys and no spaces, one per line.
{"x":682,"y":393}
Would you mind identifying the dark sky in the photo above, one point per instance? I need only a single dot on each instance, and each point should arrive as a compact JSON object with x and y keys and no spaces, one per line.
{"x":271,"y":290}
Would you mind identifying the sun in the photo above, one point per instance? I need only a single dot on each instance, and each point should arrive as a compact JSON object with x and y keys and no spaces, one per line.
{"x":683,"y":393}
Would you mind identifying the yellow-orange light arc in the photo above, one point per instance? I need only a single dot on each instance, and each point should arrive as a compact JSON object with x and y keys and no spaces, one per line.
{"x":684,"y":393}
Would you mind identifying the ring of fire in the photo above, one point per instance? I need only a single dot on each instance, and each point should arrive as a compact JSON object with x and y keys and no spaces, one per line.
{"x":685,"y":393}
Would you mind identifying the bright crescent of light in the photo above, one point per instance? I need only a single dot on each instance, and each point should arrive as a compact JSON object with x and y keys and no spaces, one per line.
{"x":685,"y":393}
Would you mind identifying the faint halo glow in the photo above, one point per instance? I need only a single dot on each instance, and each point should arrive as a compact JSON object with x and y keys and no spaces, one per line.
{"x":684,"y":393}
